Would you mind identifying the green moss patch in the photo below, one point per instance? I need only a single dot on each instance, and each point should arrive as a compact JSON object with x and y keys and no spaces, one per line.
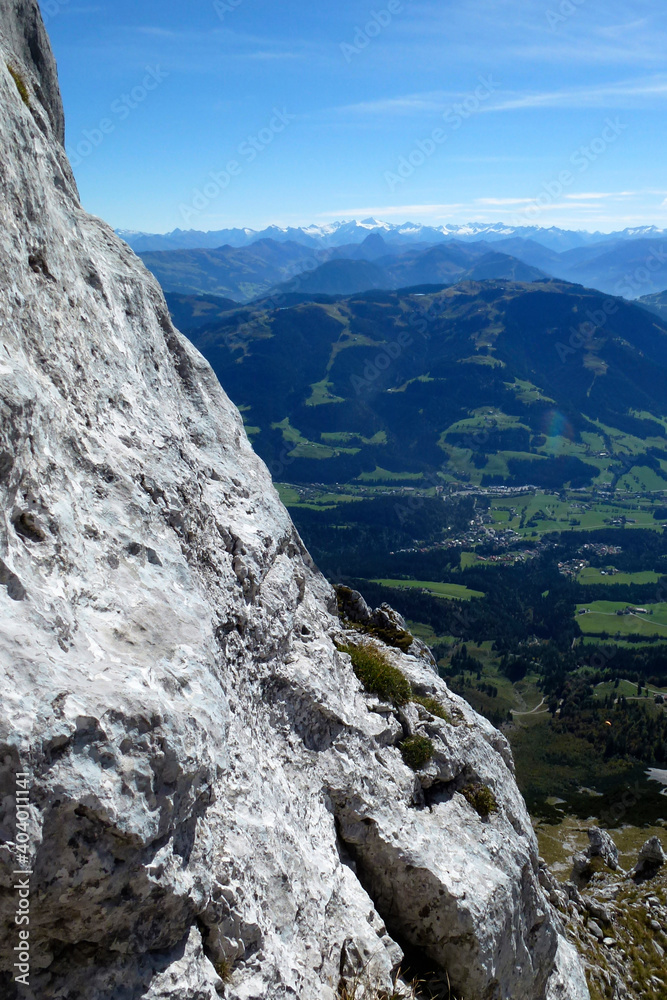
{"x":20,"y":85}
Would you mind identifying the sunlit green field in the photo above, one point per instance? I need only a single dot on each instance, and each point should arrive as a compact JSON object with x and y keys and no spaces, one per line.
{"x":602,"y":617}
{"x":625,"y":689}
{"x":453,"y":591}
{"x":590,"y":575}
{"x":533,"y":516}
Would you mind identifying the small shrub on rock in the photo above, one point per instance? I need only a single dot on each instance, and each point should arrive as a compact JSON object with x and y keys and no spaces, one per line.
{"x":417,"y":751}
{"x":377,"y":674}
{"x":224,"y":969}
{"x":481,"y":798}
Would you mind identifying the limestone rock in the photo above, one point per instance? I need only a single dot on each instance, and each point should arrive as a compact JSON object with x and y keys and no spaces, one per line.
{"x":651,"y":857}
{"x":580,"y":863}
{"x":603,"y":846}
{"x":384,"y":621}
{"x":352,"y":606}
{"x":216,"y":805}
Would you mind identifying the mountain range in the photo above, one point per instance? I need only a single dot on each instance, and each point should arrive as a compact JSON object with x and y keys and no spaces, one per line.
{"x":336,"y":234}
{"x":631,"y":267}
{"x":656,"y":303}
{"x":487,"y":382}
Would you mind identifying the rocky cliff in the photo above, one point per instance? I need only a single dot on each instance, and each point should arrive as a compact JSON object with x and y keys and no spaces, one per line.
{"x":216,"y":805}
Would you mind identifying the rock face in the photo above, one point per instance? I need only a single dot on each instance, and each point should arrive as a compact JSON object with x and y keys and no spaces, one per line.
{"x":651,"y":857}
{"x":216,"y":807}
{"x":619,"y":921}
{"x":384,"y":622}
{"x":602,"y":846}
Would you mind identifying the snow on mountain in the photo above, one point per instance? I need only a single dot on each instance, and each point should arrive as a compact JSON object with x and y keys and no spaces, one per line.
{"x":339,"y":233}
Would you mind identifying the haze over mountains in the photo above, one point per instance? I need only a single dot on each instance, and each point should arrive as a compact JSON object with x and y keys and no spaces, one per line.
{"x":505,"y":359}
{"x":632,"y":263}
{"x":656,"y":303}
{"x":352,"y":231}
{"x":265,"y":267}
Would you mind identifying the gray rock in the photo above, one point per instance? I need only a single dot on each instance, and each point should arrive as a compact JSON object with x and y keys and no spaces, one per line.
{"x":651,"y":857}
{"x":599,"y":911}
{"x":212,"y":795}
{"x":603,"y":846}
{"x":352,"y":606}
{"x":595,"y":930}
{"x":28,"y":43}
{"x":574,"y":894}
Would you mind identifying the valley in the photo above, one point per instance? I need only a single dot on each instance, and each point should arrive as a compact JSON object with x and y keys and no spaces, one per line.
{"x":490,"y":458}
{"x":582,"y":698}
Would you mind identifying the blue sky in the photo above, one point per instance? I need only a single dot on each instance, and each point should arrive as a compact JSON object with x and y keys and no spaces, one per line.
{"x":205,"y":115}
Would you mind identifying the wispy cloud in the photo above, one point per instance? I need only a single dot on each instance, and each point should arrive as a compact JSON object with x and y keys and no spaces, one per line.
{"x":641,"y":92}
{"x":503,"y":201}
{"x":404,"y":211}
{"x":407,"y":104}
{"x":625,"y":94}
{"x":602,"y":195}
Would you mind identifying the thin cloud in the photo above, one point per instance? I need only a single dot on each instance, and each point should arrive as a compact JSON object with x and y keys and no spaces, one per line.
{"x":612,"y":95}
{"x":401,"y":105}
{"x":629,"y":93}
{"x":404,"y":210}
{"x":157,"y":32}
{"x":503,"y":201}
{"x":600,"y":195}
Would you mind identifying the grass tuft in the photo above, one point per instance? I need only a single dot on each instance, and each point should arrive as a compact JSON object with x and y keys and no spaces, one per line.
{"x":481,"y":798}
{"x":377,"y":674}
{"x":431,"y":705}
{"x":417,"y":751}
{"x":224,"y":969}
{"x":20,"y":85}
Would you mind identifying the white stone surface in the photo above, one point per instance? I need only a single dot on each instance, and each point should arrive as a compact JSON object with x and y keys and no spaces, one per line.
{"x":211,"y":788}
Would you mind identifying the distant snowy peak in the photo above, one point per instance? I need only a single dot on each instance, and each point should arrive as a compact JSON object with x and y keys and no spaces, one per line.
{"x":348,"y":231}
